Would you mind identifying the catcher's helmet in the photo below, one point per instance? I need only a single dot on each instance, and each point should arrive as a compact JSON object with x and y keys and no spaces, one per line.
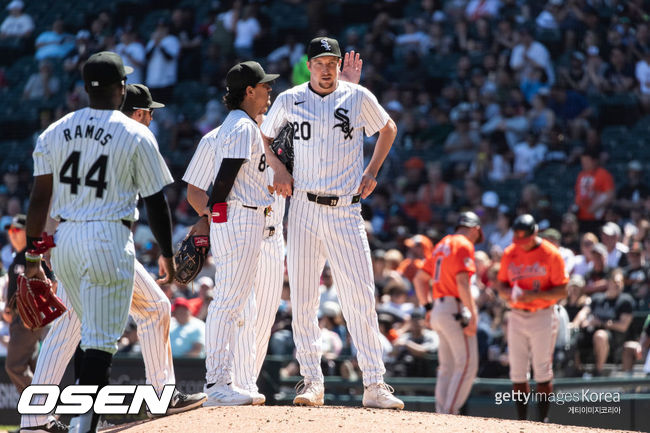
{"x":525,"y":223}
{"x":470,"y":219}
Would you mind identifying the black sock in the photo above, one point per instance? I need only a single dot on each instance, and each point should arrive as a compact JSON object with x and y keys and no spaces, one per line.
{"x":96,"y":370}
{"x":78,"y":362}
{"x":543,"y":405}
{"x":522,"y":408}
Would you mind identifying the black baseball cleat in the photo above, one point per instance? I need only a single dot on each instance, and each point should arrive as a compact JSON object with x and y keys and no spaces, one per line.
{"x":53,"y":426}
{"x":182,"y":402}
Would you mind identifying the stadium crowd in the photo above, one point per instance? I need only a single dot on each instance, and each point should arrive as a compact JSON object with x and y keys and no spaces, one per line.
{"x":501,"y":108}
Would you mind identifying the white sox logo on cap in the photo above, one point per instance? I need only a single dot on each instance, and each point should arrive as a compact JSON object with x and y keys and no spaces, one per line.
{"x":326,"y":44}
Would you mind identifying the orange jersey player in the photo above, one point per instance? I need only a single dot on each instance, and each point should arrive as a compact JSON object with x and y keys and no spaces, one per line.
{"x":532,"y":279}
{"x":454,"y":316}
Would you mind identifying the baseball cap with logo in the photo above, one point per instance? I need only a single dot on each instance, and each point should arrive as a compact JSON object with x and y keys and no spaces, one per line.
{"x":138,"y":97}
{"x":470,"y":219}
{"x":319,"y":47}
{"x":104,"y":68}
{"x":246,"y":74}
{"x":18,"y":222}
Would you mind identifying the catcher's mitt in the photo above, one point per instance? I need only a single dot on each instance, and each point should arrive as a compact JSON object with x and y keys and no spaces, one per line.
{"x":36,"y":302}
{"x":190,"y":257}
{"x":282,"y":146}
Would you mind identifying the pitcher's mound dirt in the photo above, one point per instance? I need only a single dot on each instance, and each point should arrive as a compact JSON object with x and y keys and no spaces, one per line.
{"x":330,"y":419}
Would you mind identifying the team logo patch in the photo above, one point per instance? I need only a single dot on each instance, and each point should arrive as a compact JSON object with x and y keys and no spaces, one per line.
{"x":326,"y":45}
{"x":344,"y":122}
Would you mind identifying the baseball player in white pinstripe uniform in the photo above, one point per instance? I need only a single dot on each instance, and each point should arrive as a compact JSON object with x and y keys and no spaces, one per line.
{"x":254,"y":325}
{"x":325,"y":223}
{"x":234,"y":154}
{"x":91,"y":165}
{"x":150,"y":309}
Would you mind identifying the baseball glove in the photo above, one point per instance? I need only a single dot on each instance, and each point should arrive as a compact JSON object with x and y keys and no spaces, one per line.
{"x":282,"y":146}
{"x":190,"y":257}
{"x":36,"y":302}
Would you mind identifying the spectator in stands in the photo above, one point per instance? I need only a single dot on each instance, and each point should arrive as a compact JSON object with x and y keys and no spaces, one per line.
{"x":528,"y":155}
{"x":42,"y":85}
{"x":571,"y":110}
{"x":461,"y":145}
{"x":133,"y":53}
{"x":182,"y":26}
{"x":635,"y":191}
{"x":576,"y":299}
{"x":18,"y":25}
{"x":54,"y":43}
{"x":598,"y":273}
{"x":511,"y":121}
{"x":291,"y":49}
{"x":555,"y":237}
{"x":329,"y":319}
{"x":186,"y":332}
{"x":198,"y":306}
{"x":396,"y":298}
{"x":594,"y":191}
{"x":616,"y":251}
{"x":247,"y":30}
{"x":416,"y":346}
{"x":619,"y":75}
{"x":637,"y":276}
{"x":83,"y":49}
{"x":419,"y":248}
{"x":502,"y":236}
{"x":642,"y":74}
{"x":594,"y":82}
{"x":541,"y":119}
{"x":529,"y":54}
{"x":575,"y":76}
{"x":435,"y":192}
{"x":638,"y":351}
{"x":604,"y":322}
{"x":570,"y":231}
{"x":163,"y":50}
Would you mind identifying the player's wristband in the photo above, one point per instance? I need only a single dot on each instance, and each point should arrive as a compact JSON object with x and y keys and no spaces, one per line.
{"x":33,"y":258}
{"x":428,"y":306}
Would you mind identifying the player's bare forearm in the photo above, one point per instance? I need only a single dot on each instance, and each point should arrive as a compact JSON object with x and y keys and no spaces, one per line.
{"x":387,"y":135}
{"x":198,"y":199}
{"x":464,"y":292}
{"x":384,"y":142}
{"x":39,"y":203}
{"x":282,"y":179}
{"x":422,"y":290}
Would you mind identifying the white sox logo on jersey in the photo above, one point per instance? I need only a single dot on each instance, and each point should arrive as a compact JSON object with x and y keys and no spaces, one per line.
{"x":326,"y":44}
{"x":344,"y":124}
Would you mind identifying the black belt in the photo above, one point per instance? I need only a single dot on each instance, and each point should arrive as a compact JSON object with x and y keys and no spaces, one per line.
{"x":125,"y":223}
{"x":442,"y":299}
{"x":330,"y":200}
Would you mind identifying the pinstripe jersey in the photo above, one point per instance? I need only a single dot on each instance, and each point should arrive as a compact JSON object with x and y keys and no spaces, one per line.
{"x":328,"y":142}
{"x":100,"y":160}
{"x":238,"y":137}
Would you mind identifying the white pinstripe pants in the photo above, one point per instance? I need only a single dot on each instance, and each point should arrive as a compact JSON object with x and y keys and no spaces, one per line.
{"x":235,"y":246}
{"x":337,"y":234}
{"x":259,"y":314}
{"x":150,"y":309}
{"x":95,"y":262}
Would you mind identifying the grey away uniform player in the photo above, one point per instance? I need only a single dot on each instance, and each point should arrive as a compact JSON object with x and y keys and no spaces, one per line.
{"x":329,"y":117}
{"x":91,"y":165}
{"x":150,"y":309}
{"x":238,"y":217}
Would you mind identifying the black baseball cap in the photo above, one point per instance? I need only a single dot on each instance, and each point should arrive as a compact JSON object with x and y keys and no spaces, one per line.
{"x":470,"y":219}
{"x":525,"y":223}
{"x":246,"y":74}
{"x":18,"y":221}
{"x":319,"y":47}
{"x":104,"y":68}
{"x":138,"y":97}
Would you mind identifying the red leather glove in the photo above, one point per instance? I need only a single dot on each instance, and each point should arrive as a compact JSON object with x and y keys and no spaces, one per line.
{"x":220,"y":212}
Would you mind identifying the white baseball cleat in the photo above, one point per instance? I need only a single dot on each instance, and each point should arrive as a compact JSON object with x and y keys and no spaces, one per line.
{"x":309,"y":394}
{"x":226,"y":395}
{"x":257,"y":397}
{"x":380,"y":395}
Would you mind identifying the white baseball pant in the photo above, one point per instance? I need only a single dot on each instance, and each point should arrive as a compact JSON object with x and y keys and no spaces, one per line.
{"x":235,"y":246}
{"x":256,"y":321}
{"x":150,"y":308}
{"x":457,"y":357}
{"x":318,"y":233}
